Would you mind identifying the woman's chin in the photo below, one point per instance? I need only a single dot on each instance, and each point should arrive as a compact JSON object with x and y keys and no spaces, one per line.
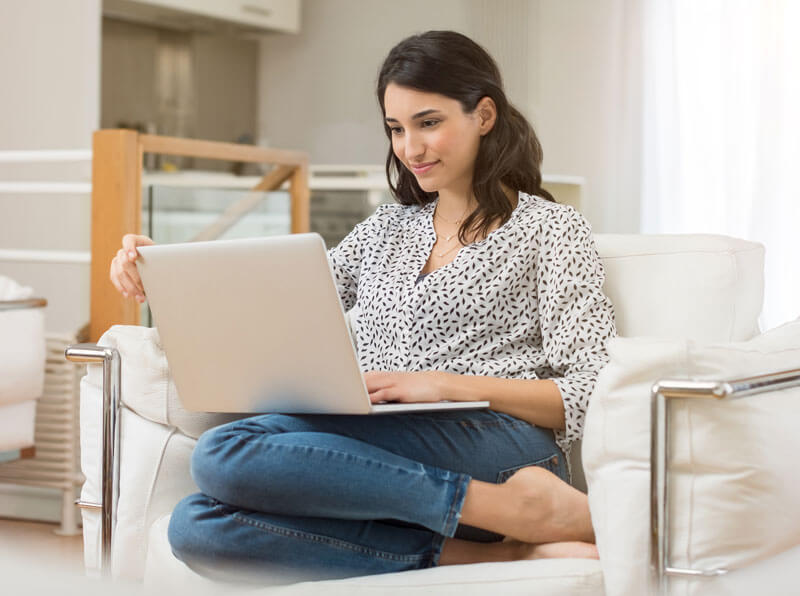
{"x":427,"y":186}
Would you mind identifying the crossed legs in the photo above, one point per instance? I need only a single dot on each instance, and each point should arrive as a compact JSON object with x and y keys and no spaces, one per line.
{"x":334,"y":496}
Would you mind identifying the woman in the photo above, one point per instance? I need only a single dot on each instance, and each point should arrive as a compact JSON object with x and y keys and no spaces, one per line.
{"x":477,"y":285}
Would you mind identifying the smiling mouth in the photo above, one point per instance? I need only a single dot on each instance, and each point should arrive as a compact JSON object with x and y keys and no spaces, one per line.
{"x":423,"y":168}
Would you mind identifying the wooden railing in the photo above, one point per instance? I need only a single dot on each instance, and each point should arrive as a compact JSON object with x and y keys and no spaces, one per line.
{"x":117,"y":203}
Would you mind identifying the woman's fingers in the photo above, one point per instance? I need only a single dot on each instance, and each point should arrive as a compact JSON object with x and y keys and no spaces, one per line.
{"x":131,"y":241}
{"x":123,"y":272}
{"x":375,"y":380}
{"x":129,"y":268}
{"x":388,"y":394}
{"x":114,"y":276}
{"x":125,"y":277}
{"x":132,"y":287}
{"x":128,"y":286}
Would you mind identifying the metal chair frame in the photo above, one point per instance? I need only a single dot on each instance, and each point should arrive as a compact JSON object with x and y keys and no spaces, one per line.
{"x":662,"y":395}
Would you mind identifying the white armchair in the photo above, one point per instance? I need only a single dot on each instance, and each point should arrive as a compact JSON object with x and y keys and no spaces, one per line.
{"x":672,"y":296}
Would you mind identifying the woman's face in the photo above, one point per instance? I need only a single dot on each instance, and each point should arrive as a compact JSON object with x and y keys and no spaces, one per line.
{"x":434,"y":138}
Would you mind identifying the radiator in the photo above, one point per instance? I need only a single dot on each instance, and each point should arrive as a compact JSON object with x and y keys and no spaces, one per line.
{"x":56,"y":463}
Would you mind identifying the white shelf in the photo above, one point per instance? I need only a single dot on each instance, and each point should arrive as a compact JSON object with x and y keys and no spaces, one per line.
{"x":46,"y":256}
{"x":65,"y":155}
{"x":73,"y":188}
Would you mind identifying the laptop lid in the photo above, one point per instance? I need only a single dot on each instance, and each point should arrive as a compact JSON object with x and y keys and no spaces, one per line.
{"x":253,"y":325}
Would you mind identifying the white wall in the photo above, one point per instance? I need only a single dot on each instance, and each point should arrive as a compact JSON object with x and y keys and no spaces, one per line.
{"x":50,"y":71}
{"x":587,"y":104}
{"x":317,"y":88}
{"x":570,"y":67}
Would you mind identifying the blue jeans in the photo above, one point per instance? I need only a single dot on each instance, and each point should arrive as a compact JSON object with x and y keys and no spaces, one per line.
{"x":291,"y":497}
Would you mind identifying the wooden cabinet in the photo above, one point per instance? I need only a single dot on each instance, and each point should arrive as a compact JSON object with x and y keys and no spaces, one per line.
{"x":203,"y":15}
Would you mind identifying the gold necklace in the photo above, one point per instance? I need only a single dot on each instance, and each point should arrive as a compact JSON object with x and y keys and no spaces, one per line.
{"x":448,"y":251}
{"x":454,"y":223}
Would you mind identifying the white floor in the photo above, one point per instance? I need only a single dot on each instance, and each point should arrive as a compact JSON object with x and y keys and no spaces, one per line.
{"x":34,"y":560}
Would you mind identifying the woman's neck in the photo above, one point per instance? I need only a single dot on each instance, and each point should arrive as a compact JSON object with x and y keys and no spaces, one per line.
{"x":455,"y":206}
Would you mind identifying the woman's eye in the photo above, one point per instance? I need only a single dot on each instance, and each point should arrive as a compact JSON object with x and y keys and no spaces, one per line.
{"x":396,"y":130}
{"x":428,"y":123}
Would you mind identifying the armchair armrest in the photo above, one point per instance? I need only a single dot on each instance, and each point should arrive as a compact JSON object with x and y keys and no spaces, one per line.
{"x":663,"y":392}
{"x":110,"y":359}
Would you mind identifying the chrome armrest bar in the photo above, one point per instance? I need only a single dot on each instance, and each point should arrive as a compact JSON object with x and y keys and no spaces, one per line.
{"x":22,"y":304}
{"x":661,"y":395}
{"x":92,"y":353}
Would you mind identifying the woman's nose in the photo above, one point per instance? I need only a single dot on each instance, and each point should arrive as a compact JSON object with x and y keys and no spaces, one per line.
{"x":414,"y":147}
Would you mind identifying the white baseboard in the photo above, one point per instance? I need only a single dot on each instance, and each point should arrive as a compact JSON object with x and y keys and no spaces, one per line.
{"x":30,"y":502}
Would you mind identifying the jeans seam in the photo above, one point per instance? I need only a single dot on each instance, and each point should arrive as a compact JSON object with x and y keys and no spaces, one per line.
{"x":473,"y":423}
{"x":454,"y":511}
{"x":320,"y":539}
{"x":436,"y":552}
{"x":431,"y":471}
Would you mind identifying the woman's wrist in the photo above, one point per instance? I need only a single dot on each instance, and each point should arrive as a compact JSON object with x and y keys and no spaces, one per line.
{"x":452,"y":387}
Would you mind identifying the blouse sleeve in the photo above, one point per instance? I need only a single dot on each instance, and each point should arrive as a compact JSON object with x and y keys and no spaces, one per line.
{"x":347,"y":257}
{"x":575,"y":317}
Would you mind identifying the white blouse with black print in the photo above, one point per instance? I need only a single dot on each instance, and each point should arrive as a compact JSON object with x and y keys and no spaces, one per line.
{"x":524,"y":303}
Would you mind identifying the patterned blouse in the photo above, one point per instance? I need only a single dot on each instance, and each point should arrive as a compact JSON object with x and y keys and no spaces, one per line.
{"x":524,"y":303}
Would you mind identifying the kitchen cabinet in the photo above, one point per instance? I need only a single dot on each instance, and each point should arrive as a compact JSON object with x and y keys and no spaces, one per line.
{"x":209,"y":15}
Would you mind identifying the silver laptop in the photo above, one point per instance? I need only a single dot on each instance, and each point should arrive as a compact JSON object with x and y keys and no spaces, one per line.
{"x":256,"y":325}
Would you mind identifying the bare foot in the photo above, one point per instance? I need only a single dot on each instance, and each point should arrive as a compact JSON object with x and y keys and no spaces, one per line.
{"x":463,"y":552}
{"x":556,"y":550}
{"x":546,"y":509}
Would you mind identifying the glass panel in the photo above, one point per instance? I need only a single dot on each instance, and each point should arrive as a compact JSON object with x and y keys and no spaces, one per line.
{"x":177,"y":214}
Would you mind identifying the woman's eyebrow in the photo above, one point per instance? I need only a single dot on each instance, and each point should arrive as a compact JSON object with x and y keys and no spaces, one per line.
{"x":416,"y":116}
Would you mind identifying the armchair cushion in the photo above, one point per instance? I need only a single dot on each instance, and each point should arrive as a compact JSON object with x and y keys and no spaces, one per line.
{"x":734,"y":488}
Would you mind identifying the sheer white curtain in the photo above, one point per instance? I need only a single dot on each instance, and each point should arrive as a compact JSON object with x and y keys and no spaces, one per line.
{"x":721,"y":136}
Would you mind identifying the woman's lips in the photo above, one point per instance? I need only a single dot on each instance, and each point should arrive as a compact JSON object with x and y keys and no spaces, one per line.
{"x":423,"y":168}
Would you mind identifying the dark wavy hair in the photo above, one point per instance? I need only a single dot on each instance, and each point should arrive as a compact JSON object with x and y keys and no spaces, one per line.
{"x":451,"y":64}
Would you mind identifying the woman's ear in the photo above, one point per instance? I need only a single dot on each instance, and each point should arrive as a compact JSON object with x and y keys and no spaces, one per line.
{"x":486,"y":111}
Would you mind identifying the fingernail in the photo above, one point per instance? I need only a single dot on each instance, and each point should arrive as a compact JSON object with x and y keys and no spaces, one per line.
{"x":132,"y":254}
{"x":125,"y":294}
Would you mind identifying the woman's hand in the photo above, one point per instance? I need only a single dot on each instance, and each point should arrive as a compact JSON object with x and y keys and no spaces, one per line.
{"x":124,"y":274}
{"x":423,"y":386}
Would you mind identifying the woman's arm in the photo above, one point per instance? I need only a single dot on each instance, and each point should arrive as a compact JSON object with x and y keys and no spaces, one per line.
{"x":537,"y":401}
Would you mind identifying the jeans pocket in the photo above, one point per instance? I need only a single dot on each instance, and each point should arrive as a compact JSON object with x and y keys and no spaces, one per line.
{"x":549,"y":463}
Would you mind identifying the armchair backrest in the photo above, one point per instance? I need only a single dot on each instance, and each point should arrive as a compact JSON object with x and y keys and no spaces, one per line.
{"x":697,"y":286}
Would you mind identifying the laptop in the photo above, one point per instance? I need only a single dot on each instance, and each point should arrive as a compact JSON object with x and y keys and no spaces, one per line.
{"x":256,"y":325}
